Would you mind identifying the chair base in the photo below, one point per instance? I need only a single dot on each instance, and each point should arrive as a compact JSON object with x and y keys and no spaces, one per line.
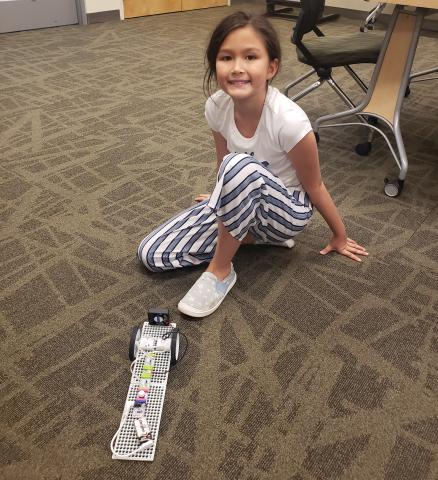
{"x":324,"y":75}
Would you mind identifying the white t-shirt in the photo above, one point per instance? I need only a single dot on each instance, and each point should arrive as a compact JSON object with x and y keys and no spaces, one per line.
{"x":282,"y":125}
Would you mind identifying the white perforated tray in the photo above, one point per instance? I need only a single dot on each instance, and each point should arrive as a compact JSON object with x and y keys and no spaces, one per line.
{"x":127,"y":439}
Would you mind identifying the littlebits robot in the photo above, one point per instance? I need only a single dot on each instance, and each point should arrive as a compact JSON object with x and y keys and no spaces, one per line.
{"x":153,"y":350}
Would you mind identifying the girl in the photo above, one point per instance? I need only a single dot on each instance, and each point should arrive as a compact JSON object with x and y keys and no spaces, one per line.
{"x":268,"y":170}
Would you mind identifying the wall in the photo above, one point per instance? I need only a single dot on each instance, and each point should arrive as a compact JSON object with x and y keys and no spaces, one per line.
{"x":93,"y":6}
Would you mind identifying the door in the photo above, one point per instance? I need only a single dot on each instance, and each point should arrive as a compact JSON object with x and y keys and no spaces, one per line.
{"x":194,"y":4}
{"x":18,"y":15}
{"x":140,"y":8}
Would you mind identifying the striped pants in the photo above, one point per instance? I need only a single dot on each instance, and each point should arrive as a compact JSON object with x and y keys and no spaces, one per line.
{"x":247,"y":198}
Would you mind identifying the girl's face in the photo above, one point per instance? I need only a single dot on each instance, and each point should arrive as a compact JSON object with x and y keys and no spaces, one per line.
{"x":243,"y":66}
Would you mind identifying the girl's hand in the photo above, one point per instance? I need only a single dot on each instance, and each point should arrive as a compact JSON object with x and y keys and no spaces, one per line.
{"x":201,"y":197}
{"x":347,"y":247}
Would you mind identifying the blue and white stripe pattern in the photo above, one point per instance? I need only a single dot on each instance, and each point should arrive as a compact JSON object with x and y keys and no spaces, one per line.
{"x":247,"y":198}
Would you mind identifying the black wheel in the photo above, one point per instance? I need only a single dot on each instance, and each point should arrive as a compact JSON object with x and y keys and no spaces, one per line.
{"x":316,"y":137}
{"x":174,"y":348}
{"x":393,"y":188}
{"x":133,"y":343}
{"x":363,"y":149}
{"x":407,"y":91}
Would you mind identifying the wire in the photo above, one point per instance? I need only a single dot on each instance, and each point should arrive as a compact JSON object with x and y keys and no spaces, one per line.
{"x":140,"y":356}
{"x":169,"y":333}
{"x":143,"y":446}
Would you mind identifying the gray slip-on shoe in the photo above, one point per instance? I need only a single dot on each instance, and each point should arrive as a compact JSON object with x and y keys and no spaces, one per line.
{"x":207,"y":293}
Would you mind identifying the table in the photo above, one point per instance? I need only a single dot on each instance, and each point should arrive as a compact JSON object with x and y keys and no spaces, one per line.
{"x":389,"y":81}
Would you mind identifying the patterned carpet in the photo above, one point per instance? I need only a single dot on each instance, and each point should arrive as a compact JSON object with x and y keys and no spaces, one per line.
{"x":314,"y":368}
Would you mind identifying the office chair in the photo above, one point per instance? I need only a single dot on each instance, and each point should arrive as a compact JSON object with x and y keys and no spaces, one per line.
{"x":325,"y":53}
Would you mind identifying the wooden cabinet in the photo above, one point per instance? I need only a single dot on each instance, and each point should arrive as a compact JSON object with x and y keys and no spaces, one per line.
{"x":194,"y":4}
{"x":141,"y":8}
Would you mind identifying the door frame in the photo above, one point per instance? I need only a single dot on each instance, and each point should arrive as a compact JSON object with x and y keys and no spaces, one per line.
{"x":82,"y":12}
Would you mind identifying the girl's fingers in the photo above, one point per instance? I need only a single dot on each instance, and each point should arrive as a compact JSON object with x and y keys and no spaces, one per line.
{"x":202,"y":197}
{"x":352,"y":243}
{"x":351,"y":250}
{"x":326,"y":250}
{"x":355,"y":247}
{"x":350,"y":254}
{"x":354,"y":257}
{"x":353,"y":253}
{"x":358,"y":250}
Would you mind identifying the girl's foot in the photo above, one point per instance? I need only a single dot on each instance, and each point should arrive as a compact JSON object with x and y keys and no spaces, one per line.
{"x":207,"y":293}
{"x":286,"y":244}
{"x":250,"y":240}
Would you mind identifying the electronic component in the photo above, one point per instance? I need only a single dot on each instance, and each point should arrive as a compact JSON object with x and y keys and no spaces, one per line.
{"x":139,"y":411}
{"x":158,"y":316}
{"x":142,"y":429}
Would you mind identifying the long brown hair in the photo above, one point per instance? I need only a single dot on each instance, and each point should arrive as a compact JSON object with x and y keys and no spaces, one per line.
{"x":232,"y":22}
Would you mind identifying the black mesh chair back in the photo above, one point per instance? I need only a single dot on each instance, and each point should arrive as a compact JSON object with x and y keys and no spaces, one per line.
{"x":325,"y":53}
{"x":311,"y":11}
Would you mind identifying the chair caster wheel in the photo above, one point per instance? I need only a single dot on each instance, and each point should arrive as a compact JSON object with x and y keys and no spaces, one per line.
{"x":407,"y":91}
{"x":393,"y":188}
{"x":135,"y":339}
{"x":316,"y":137}
{"x":363,"y":149}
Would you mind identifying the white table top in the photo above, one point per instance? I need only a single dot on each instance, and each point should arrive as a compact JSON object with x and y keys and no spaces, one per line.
{"x":415,"y":3}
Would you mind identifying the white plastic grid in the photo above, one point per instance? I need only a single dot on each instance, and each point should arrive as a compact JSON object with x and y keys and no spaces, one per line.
{"x":127,"y":440}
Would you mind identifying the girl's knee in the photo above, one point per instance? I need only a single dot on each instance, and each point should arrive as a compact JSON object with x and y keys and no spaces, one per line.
{"x":146,"y":257}
{"x":235,"y":162}
{"x":233,"y":159}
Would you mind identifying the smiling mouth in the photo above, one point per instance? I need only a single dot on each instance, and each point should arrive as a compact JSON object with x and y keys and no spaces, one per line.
{"x":239,"y":83}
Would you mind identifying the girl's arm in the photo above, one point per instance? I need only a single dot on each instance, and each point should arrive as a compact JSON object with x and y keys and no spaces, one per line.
{"x":221,"y":151}
{"x":304,"y":157}
{"x":221,"y":147}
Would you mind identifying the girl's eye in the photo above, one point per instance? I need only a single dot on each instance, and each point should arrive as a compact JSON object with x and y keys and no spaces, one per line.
{"x":250,"y":57}
{"x":225,"y":58}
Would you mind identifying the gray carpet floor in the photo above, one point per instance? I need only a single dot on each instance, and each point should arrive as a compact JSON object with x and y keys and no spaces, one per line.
{"x":314,"y":368}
